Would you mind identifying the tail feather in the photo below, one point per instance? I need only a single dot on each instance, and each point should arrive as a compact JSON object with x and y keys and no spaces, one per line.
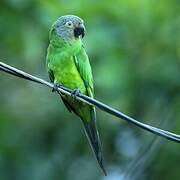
{"x":94,"y":140}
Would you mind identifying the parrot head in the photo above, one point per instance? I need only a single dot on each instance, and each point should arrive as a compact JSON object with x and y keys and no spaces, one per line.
{"x":69,"y":27}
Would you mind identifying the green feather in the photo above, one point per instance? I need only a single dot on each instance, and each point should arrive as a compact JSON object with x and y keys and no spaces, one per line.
{"x":68,"y":64}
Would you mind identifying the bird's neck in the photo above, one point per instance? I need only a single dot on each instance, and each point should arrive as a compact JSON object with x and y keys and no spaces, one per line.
{"x":70,"y":48}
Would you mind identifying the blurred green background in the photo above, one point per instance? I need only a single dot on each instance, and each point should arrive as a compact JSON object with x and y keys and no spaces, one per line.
{"x":134,"y":49}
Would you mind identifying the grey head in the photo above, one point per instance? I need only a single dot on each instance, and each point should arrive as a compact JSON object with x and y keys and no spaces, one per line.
{"x":69,"y":27}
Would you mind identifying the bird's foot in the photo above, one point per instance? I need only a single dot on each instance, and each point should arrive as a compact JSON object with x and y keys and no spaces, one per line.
{"x":56,"y":86}
{"x":75,"y":92}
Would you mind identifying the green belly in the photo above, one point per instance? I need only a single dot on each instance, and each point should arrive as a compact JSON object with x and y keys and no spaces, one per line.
{"x":67,"y":74}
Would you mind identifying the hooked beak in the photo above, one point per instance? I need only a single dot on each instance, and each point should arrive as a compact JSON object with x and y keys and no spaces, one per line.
{"x":80,"y":30}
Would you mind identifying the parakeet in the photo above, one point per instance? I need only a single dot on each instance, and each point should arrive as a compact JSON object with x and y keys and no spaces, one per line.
{"x":68,"y":65}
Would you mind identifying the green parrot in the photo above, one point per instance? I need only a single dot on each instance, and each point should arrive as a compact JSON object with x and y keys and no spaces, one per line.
{"x":68,"y":65}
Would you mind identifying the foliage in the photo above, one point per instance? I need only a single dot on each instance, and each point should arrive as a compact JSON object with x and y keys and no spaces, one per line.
{"x":134,"y":48}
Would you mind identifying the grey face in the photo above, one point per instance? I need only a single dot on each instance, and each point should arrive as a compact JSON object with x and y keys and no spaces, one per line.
{"x":70,"y":27}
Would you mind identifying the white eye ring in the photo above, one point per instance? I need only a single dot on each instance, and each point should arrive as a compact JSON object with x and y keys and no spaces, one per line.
{"x":69,"y":24}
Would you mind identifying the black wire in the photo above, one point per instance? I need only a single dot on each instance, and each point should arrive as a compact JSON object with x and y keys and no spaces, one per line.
{"x":13,"y":72}
{"x":100,"y":105}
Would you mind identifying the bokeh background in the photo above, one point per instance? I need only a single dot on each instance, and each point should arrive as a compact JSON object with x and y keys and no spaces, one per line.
{"x":134,"y":49}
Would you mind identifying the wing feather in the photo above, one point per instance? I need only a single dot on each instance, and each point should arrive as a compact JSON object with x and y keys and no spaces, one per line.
{"x":83,"y":66}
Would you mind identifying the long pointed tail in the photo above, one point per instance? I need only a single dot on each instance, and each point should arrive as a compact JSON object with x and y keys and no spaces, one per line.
{"x":94,"y":140}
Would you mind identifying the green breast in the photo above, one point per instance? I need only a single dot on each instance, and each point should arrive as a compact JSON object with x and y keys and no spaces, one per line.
{"x":67,"y":74}
{"x":60,"y":60}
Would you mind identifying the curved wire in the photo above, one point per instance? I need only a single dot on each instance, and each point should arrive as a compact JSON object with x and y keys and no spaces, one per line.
{"x":81,"y":97}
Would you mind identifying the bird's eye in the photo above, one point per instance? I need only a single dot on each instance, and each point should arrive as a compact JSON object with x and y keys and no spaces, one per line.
{"x":69,"y":24}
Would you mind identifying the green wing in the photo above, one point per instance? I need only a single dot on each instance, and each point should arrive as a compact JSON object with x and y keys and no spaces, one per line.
{"x":84,"y":68}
